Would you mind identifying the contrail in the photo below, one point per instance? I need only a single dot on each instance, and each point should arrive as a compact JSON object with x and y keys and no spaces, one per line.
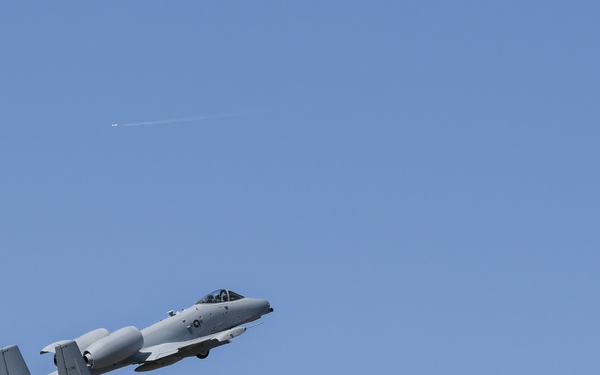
{"x":185,"y":119}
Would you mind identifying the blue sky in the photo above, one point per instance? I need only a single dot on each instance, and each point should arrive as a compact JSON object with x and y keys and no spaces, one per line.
{"x":412,"y":184}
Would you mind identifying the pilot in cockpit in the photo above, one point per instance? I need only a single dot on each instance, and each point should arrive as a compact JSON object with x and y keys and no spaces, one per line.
{"x":223,"y":296}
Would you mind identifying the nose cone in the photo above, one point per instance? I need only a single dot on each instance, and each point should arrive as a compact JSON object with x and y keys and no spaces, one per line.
{"x":269,"y":308}
{"x":257,"y":308}
{"x":261,"y":306}
{"x":266,"y":307}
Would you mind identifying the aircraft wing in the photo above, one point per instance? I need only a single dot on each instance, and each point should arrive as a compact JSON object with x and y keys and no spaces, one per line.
{"x":69,"y":360}
{"x":169,"y":353}
{"x":12,"y":362}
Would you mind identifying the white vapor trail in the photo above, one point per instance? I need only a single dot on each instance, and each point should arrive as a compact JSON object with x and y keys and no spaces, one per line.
{"x":171,"y":121}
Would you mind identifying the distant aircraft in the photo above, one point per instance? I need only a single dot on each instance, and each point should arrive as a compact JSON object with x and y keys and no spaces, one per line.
{"x":12,"y":362}
{"x":213,"y":321}
{"x":115,"y":125}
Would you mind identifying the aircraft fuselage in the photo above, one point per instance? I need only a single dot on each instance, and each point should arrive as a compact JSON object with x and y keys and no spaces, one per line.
{"x":212,"y":322}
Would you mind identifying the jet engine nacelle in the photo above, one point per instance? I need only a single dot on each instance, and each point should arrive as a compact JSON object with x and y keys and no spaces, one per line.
{"x":114,"y":348}
{"x":82,"y":341}
{"x":89,"y":338}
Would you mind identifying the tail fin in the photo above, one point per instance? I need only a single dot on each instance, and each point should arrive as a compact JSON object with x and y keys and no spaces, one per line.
{"x":69,"y":360}
{"x":12,"y":362}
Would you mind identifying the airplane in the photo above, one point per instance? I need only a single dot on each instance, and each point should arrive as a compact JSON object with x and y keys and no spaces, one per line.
{"x":115,"y":125}
{"x":213,"y":321}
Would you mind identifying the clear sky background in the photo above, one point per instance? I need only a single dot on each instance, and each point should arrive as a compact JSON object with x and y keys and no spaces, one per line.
{"x":412,"y":184}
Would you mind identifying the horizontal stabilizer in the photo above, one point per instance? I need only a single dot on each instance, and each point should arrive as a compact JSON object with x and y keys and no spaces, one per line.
{"x":12,"y":362}
{"x":69,"y":360}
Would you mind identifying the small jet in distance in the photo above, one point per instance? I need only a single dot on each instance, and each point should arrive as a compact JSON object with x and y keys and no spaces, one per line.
{"x":213,"y":321}
{"x":115,"y":125}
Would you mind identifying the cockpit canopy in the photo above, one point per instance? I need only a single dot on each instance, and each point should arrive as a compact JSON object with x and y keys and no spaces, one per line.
{"x":220,"y":295}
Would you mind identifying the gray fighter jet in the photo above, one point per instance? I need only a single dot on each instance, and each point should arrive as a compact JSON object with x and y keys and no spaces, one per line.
{"x":213,"y":321}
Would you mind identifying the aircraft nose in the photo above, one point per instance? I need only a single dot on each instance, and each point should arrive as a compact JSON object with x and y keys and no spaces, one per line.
{"x":254,"y":308}
{"x":266,"y":307}
{"x":262,"y":307}
{"x":269,"y":308}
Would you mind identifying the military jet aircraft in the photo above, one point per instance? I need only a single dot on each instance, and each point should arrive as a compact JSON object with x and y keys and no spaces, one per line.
{"x":213,"y":321}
